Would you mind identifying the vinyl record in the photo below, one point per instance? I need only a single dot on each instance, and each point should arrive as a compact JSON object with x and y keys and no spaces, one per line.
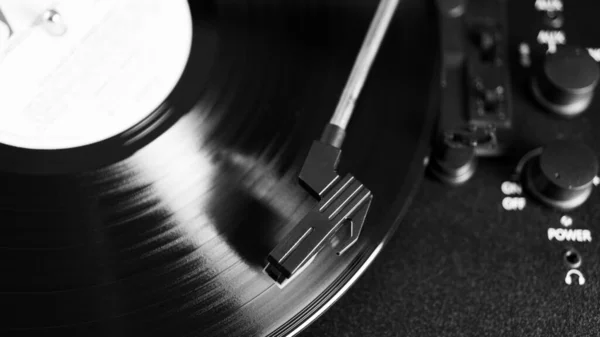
{"x":163,"y":229}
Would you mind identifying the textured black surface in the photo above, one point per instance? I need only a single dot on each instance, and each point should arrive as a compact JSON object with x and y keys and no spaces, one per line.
{"x":462,"y":265}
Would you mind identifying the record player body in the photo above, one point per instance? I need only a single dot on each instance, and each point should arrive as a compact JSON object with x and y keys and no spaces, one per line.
{"x":513,"y":251}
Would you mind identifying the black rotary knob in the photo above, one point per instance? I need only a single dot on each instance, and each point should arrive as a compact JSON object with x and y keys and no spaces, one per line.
{"x":562,"y":175}
{"x":566,"y":81}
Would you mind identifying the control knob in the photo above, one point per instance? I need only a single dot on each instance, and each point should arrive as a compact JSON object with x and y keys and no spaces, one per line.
{"x":566,"y":80}
{"x":562,"y":175}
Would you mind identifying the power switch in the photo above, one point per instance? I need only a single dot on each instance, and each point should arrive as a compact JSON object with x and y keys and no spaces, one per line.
{"x":562,"y":175}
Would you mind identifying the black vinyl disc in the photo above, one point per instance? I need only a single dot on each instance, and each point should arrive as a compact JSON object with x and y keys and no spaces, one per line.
{"x":163,"y":230}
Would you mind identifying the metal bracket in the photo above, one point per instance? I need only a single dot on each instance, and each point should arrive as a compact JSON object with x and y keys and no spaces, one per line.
{"x":342,"y":202}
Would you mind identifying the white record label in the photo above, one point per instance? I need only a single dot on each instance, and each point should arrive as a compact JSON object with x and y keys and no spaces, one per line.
{"x":98,"y":69}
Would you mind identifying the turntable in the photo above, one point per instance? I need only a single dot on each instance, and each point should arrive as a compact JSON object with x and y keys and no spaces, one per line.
{"x":310,"y":168}
{"x":173,"y":168}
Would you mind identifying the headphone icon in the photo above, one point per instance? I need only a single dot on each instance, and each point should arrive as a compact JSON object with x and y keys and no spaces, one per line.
{"x":569,"y":278}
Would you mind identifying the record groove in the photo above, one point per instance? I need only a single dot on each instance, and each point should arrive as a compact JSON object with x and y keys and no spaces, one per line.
{"x":163,"y":231}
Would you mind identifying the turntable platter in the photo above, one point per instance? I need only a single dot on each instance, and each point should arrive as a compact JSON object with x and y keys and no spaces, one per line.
{"x":163,"y":229}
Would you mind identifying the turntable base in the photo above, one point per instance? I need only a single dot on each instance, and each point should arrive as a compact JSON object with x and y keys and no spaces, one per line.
{"x":457,"y":271}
